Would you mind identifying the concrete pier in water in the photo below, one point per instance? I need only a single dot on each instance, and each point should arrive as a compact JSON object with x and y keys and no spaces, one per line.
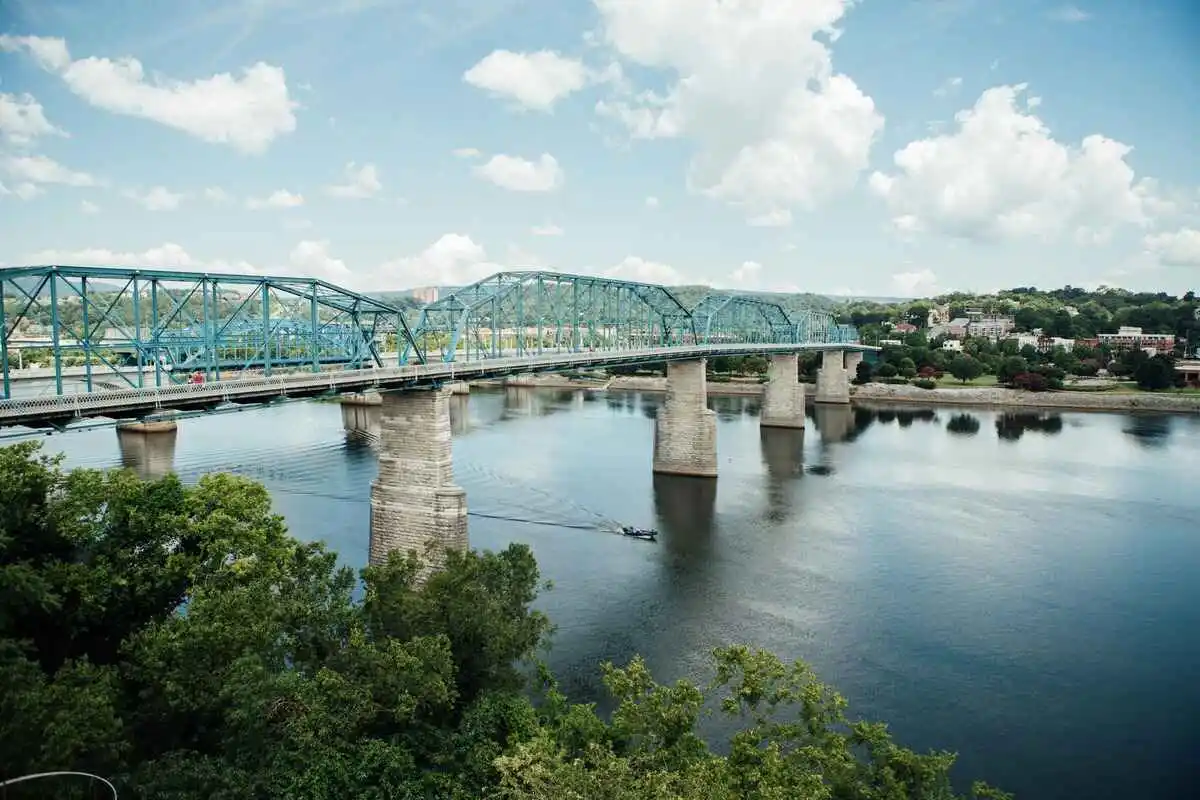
{"x":833,"y":378}
{"x":415,"y":504}
{"x":783,"y":395}
{"x":685,"y":430}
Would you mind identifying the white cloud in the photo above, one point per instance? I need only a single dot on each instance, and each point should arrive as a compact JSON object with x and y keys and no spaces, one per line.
{"x":166,"y":256}
{"x":25,"y":191}
{"x":652,"y":202}
{"x":547,"y":230}
{"x":747,"y":275}
{"x":42,"y":169}
{"x":519,"y":175}
{"x":453,"y":260}
{"x":1179,"y":248}
{"x":88,"y":207}
{"x":776,"y":218}
{"x":467,"y":152}
{"x":949,"y":86}
{"x":158,"y":198}
{"x":280,"y":198}
{"x":775,"y":126}
{"x":215,"y":194}
{"x":246,"y":113}
{"x":360,"y":183}
{"x":1002,"y":175}
{"x":918,"y":283}
{"x":22,"y":120}
{"x":313,"y":260}
{"x":633,"y":268}
{"x":1070,"y":14}
{"x":534,"y":80}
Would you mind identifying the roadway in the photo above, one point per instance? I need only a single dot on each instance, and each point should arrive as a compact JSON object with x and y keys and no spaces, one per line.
{"x":139,"y":402}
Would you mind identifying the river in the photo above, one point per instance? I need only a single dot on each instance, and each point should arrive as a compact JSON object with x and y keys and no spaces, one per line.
{"x":1021,"y":588}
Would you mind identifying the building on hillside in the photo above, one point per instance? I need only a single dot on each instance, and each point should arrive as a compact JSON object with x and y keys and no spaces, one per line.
{"x":988,"y":326}
{"x":1026,"y":340}
{"x":1129,"y":337}
{"x":954,"y":345}
{"x":426,"y":294}
{"x":938,"y":315}
{"x":904,"y":327}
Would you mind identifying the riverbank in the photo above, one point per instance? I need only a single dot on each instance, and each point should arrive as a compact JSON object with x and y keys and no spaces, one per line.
{"x":994,"y":396}
{"x":900,"y":393}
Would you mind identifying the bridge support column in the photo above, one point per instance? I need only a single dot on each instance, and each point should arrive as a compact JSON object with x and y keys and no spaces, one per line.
{"x":414,"y":502}
{"x":853,"y":359}
{"x":833,"y":382}
{"x":783,"y":396}
{"x":685,"y":431}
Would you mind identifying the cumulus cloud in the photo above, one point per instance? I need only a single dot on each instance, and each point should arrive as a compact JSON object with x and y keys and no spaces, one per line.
{"x":546,"y":230}
{"x":634,"y":268}
{"x":520,"y":175}
{"x":777,"y":218}
{"x":88,"y":207}
{"x":453,"y":260}
{"x":651,"y":202}
{"x":916,"y":283}
{"x":312,"y":259}
{"x":754,"y":87}
{"x":165,"y":256}
{"x":747,"y":276}
{"x":1002,"y":175}
{"x":280,"y":198}
{"x":158,"y":198}
{"x":44,"y":170}
{"x":535,"y":81}
{"x":467,"y":152}
{"x":1179,"y":248}
{"x":22,"y":120}
{"x":247,"y":113}
{"x":361,"y":182}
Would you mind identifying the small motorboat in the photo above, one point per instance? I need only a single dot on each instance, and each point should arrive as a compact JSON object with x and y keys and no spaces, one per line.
{"x":638,"y":533}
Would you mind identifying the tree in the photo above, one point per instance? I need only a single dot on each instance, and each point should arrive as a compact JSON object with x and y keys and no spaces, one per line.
{"x":862,"y":373}
{"x":1010,"y":368}
{"x":965,"y":368}
{"x":1155,"y":373}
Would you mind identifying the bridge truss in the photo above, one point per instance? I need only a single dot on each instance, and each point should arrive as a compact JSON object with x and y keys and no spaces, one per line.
{"x":533,"y":312}
{"x":112,"y":327}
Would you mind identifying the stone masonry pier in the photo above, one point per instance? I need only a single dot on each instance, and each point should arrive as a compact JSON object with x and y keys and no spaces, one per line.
{"x":833,"y":378}
{"x":685,"y":430}
{"x":783,"y":395}
{"x":414,"y":502}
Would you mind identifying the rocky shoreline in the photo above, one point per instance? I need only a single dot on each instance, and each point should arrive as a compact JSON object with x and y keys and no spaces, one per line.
{"x":901,"y":393}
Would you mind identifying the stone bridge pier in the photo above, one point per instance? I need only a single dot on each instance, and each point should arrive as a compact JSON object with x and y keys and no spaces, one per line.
{"x":833,"y":378}
{"x":685,"y":430}
{"x":783,"y":395}
{"x":415,"y":504}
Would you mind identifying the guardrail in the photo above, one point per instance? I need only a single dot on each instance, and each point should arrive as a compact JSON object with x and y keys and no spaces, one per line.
{"x":160,"y":398}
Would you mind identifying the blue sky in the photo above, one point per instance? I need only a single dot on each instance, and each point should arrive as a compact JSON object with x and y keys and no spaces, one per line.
{"x":899,"y":147}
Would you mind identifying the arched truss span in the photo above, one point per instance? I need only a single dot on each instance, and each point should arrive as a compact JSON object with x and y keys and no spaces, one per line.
{"x":725,"y":318}
{"x":531,"y":312}
{"x":104,"y":326}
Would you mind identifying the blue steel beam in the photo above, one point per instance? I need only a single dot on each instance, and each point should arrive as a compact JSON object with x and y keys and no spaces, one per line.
{"x":171,"y":323}
{"x":532,"y":312}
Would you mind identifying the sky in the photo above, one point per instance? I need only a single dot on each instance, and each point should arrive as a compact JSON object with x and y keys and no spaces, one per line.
{"x":878,"y":147}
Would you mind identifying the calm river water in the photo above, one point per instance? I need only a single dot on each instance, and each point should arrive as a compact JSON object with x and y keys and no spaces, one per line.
{"x":1024,"y":589}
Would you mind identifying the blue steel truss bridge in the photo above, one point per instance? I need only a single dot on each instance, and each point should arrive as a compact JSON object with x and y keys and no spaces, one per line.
{"x":123,"y":342}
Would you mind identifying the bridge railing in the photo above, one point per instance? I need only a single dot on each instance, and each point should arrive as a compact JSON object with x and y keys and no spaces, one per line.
{"x":88,"y":404}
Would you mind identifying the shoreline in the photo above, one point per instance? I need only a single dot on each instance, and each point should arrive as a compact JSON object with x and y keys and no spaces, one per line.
{"x":992,"y":397}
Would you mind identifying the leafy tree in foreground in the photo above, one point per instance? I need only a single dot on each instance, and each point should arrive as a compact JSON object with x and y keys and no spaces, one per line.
{"x":175,"y":640}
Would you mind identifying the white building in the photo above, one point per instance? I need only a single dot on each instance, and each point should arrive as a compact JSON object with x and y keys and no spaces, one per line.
{"x":1129,"y":337}
{"x":952,"y":344}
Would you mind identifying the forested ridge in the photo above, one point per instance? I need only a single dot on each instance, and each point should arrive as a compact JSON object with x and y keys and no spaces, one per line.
{"x":177,"y":641}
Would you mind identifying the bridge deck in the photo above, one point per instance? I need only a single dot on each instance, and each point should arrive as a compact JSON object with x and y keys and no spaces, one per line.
{"x":128,"y":403}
